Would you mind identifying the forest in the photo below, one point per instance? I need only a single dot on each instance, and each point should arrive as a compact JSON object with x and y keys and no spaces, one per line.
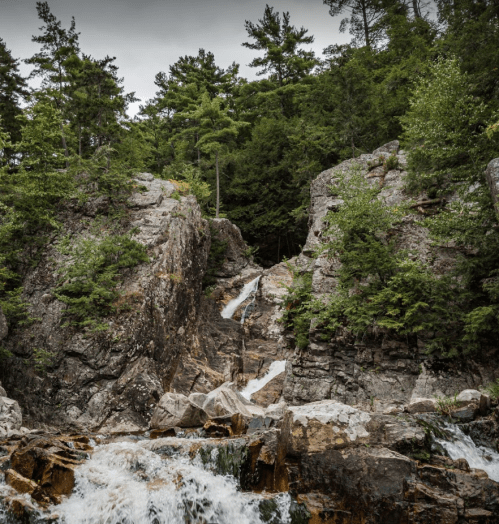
{"x":249,"y":149}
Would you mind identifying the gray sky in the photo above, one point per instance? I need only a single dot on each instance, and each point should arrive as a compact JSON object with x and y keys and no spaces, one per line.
{"x":148,"y":36}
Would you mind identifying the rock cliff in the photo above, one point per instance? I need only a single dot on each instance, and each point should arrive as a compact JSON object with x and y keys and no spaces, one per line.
{"x":380,"y":371}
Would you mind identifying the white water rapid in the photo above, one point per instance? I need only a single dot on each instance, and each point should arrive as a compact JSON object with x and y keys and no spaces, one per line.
{"x":250,"y":288}
{"x":152,"y":482}
{"x":478,"y":457}
{"x":276,"y":368}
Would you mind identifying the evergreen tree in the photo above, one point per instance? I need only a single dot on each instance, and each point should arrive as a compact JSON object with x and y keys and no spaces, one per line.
{"x":284,"y":60}
{"x":364,"y":20}
{"x":12,"y":90}
{"x":218,"y":129}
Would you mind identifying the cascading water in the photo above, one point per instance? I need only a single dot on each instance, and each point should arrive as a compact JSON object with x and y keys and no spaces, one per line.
{"x":276,"y":368}
{"x":141,"y":482}
{"x":250,"y":288}
{"x":478,"y":457}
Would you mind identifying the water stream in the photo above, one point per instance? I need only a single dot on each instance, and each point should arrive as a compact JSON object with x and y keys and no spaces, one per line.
{"x":276,"y":368}
{"x":478,"y":457}
{"x":152,"y":482}
{"x":250,"y":288}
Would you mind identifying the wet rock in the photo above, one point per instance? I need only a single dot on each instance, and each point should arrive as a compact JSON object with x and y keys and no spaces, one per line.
{"x":271,"y":392}
{"x":466,"y":413}
{"x":421,"y":405}
{"x":177,"y":410}
{"x":44,"y":468}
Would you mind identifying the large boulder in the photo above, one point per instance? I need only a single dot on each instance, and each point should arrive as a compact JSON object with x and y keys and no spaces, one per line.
{"x":176,"y":410}
{"x":11,"y":417}
{"x":271,"y":392}
{"x":235,"y":256}
{"x":227,"y":401}
{"x":421,"y":405}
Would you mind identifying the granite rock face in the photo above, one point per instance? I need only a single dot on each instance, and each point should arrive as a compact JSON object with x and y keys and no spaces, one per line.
{"x":112,"y":380}
{"x":11,"y":417}
{"x":354,"y":467}
{"x":380,"y":369}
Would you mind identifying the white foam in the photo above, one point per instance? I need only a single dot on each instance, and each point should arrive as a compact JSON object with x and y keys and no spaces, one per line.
{"x":276,"y":368}
{"x":251,"y":287}
{"x":478,"y":457}
{"x":126,"y":483}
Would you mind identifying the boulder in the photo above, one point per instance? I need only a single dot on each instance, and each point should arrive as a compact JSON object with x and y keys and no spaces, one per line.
{"x":175,"y":409}
{"x":44,"y":468}
{"x":468,"y":396}
{"x":421,"y":405}
{"x":466,"y":413}
{"x":276,"y":411}
{"x":11,"y":417}
{"x":227,"y":401}
{"x":235,"y":259}
{"x":492,"y":176}
{"x":2,"y":391}
{"x":271,"y":392}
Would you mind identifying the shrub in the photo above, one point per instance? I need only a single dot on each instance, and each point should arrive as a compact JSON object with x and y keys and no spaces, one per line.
{"x":90,"y":277}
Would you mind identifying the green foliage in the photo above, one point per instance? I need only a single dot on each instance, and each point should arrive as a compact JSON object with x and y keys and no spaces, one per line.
{"x":5,"y":354}
{"x":444,"y":128}
{"x":216,"y":257}
{"x":446,"y":405}
{"x":492,"y":389}
{"x":296,"y":304}
{"x":90,"y":278}
{"x":42,"y":359}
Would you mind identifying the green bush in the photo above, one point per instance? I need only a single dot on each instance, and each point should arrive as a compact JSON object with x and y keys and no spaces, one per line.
{"x":90,"y":277}
{"x":296,"y":305}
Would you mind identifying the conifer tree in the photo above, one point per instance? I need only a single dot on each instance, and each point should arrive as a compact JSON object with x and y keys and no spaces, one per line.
{"x":284,"y":59}
{"x":12,"y":90}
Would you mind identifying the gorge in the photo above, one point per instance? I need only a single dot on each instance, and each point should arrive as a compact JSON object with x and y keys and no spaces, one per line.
{"x":199,"y":406}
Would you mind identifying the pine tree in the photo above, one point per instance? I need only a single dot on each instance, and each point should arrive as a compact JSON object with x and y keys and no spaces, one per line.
{"x":217,"y":129}
{"x":12,"y":90}
{"x":364,"y":20}
{"x":284,"y":60}
{"x":58,"y":45}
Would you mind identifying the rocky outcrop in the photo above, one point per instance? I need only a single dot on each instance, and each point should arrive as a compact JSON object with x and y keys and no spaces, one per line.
{"x":350,"y":466}
{"x":176,"y":410}
{"x":381,"y":370}
{"x":235,"y":257}
{"x":113,"y":379}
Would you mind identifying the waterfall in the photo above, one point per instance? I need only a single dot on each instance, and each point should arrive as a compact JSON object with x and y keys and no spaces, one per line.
{"x":478,"y":457}
{"x":152,"y":482}
{"x":276,"y":368}
{"x":250,"y":288}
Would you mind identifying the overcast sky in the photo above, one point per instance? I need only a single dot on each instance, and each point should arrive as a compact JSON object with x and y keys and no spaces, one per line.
{"x":147,"y":36}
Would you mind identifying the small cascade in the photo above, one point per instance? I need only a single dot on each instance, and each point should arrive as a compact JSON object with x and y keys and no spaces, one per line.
{"x":478,"y":457}
{"x":134,"y":482}
{"x":249,"y":289}
{"x":276,"y":368}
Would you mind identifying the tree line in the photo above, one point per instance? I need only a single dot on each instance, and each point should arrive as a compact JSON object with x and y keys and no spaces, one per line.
{"x":253,"y":146}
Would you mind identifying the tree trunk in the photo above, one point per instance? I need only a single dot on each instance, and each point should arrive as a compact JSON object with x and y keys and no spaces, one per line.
{"x":366,"y":25}
{"x":79,"y":139}
{"x":415,"y":8}
{"x":218,"y":184}
{"x":64,"y":145}
{"x":353,"y":148}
